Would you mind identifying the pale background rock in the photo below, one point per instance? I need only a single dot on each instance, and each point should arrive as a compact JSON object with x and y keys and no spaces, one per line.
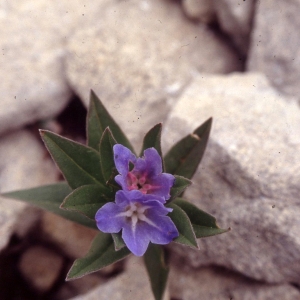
{"x":249,"y":178}
{"x":211,"y":283}
{"x":74,"y":239}
{"x":41,"y":267}
{"x":265,"y":151}
{"x":235,"y":18}
{"x":33,"y":82}
{"x":275,"y":44}
{"x":201,"y":10}
{"x":22,"y":165}
{"x":138,"y":56}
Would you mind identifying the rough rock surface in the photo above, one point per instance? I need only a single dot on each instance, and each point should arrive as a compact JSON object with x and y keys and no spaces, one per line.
{"x":22,"y":165}
{"x":235,"y":19}
{"x":33,"y":85}
{"x":210,"y":283}
{"x":74,"y":239}
{"x":138,"y":56}
{"x":100,"y":45}
{"x":133,"y":283}
{"x":249,"y":178}
{"x":201,"y":10}
{"x":40,"y":267}
{"x":275,"y":44}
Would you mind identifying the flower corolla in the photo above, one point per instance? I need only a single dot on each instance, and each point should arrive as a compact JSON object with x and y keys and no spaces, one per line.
{"x":139,"y":209}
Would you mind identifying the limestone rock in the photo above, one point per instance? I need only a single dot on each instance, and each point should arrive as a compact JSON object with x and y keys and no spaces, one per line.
{"x":74,"y":239}
{"x":22,"y":165}
{"x":211,"y":283}
{"x":40,"y":267}
{"x":275,"y":44}
{"x":249,"y":177}
{"x":201,"y":10}
{"x":138,"y":56}
{"x":33,"y":86}
{"x":235,"y":19}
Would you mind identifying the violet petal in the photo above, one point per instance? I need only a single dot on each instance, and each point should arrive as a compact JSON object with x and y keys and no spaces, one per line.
{"x":135,"y":238}
{"x":109,"y":218}
{"x":122,"y":157}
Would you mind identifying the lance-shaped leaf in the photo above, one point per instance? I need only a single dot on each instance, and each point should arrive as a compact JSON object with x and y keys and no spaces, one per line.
{"x":157,"y":270}
{"x":118,"y":240}
{"x":184,"y":157}
{"x":152,"y":139}
{"x":203,"y":223}
{"x":183,"y":225}
{"x":87,"y":199}
{"x":98,"y":119}
{"x":49,"y":197}
{"x":100,"y":255}
{"x":107,"y":155}
{"x":181,"y":183}
{"x":79,"y":164}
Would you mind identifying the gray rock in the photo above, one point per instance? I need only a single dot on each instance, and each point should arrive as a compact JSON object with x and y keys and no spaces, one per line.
{"x":133,"y":283}
{"x":201,"y":10}
{"x":249,"y":178}
{"x":210,"y":283}
{"x":40,"y":267}
{"x":34,"y":85}
{"x":275,"y":44}
{"x":22,"y":165}
{"x":65,"y":234}
{"x":235,"y":18}
{"x":138,"y":56}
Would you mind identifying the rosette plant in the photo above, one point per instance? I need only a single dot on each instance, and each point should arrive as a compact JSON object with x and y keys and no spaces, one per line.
{"x":134,"y":201}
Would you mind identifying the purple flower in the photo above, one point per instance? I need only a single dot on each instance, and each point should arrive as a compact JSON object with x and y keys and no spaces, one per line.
{"x":146,"y":174}
{"x":142,"y":219}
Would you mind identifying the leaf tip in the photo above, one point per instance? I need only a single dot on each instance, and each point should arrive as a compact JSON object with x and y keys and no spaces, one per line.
{"x":62,"y":206}
{"x":93,"y":97}
{"x":195,"y":136}
{"x":92,"y":92}
{"x":68,"y":278}
{"x":42,"y":132}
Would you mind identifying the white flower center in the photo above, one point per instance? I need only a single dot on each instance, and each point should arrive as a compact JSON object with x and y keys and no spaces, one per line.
{"x":136,"y":212}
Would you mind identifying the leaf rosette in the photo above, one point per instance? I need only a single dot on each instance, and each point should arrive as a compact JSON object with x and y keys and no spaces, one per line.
{"x":135,"y":202}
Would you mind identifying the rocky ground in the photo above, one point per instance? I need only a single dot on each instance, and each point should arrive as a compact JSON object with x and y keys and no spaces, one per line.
{"x":177,"y":62}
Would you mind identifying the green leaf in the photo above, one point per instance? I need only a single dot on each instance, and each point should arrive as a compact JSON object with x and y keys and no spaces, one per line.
{"x":181,"y":183}
{"x":98,"y":119}
{"x":203,"y":223}
{"x":157,"y":270}
{"x":87,"y":199}
{"x":107,"y":155}
{"x":183,"y":225}
{"x":49,"y":197}
{"x":118,"y":241}
{"x":152,"y":139}
{"x":100,"y":255}
{"x":79,"y":164}
{"x":185,"y":156}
